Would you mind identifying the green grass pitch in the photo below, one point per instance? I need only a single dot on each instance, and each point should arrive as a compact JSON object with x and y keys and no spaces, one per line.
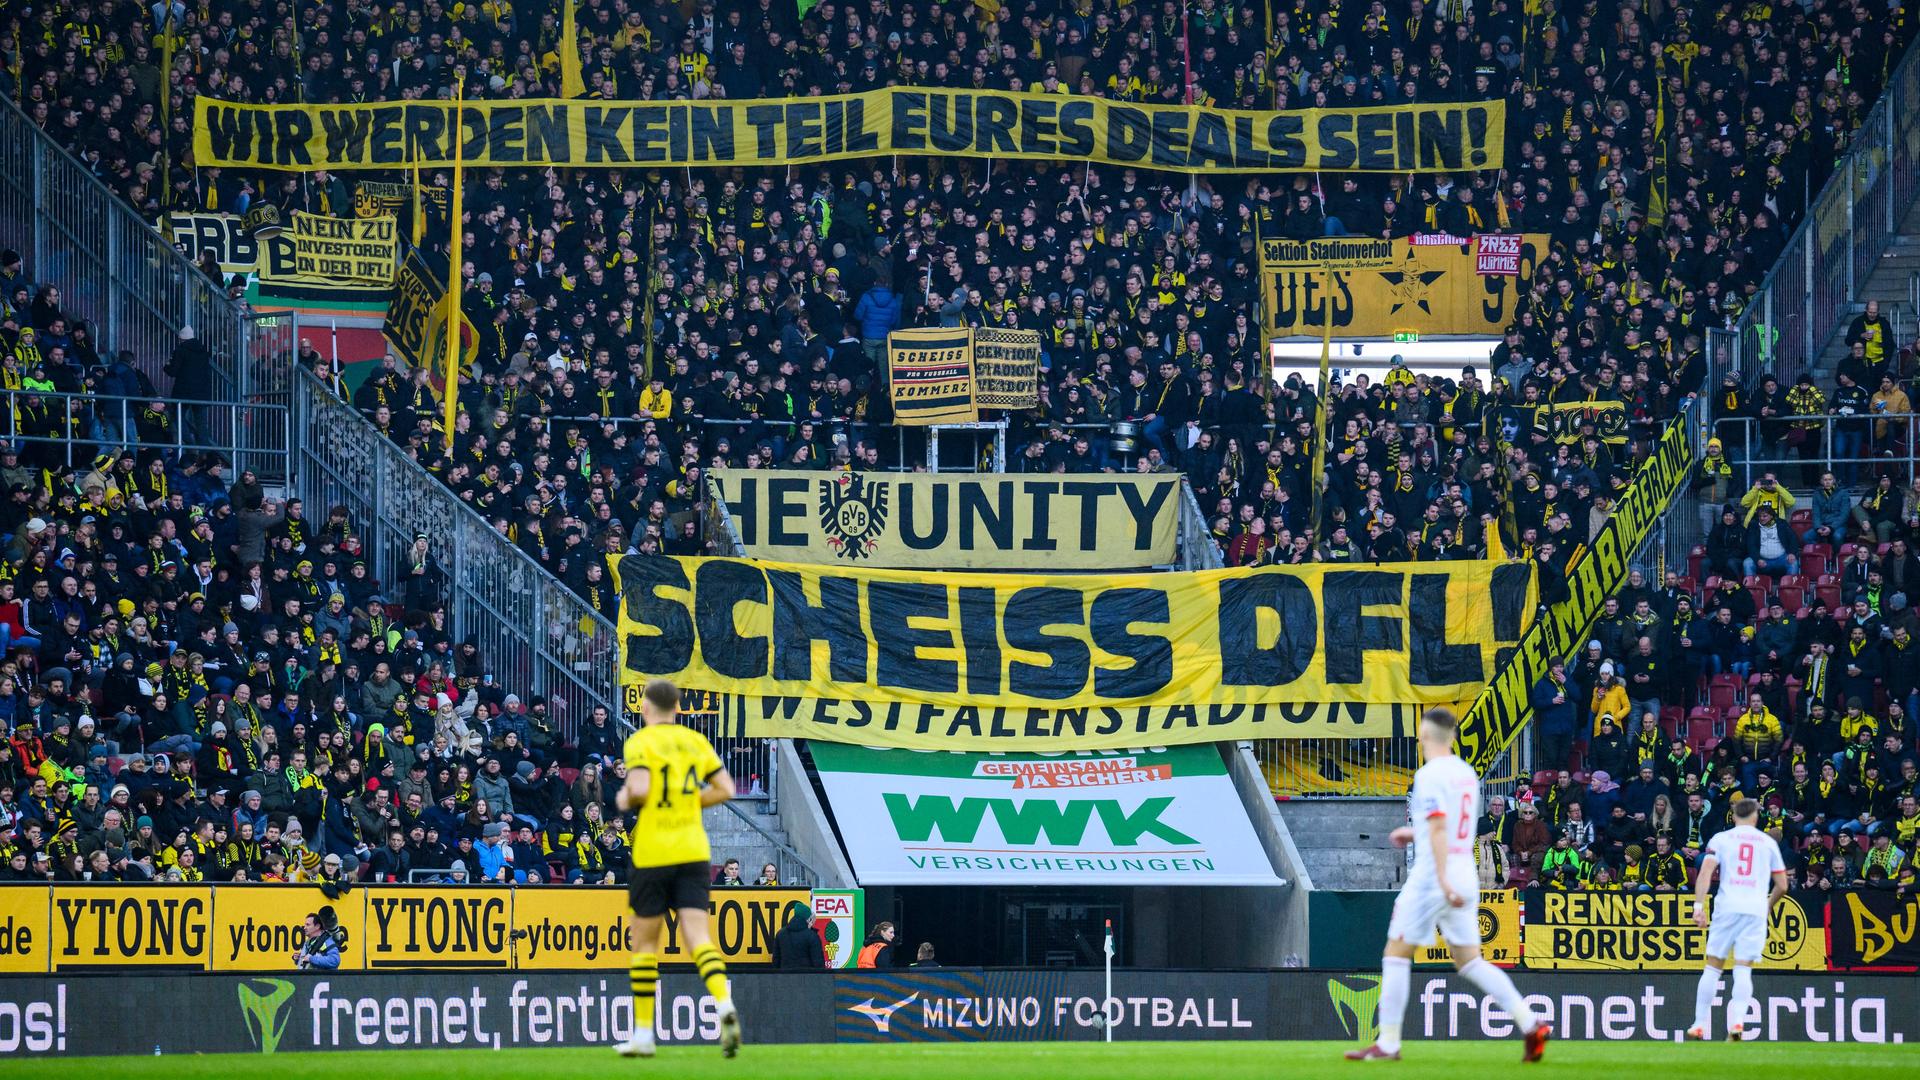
{"x":1021,"y":1061}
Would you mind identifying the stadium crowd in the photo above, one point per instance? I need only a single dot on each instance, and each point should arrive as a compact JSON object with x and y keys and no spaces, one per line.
{"x":1782,"y":664}
{"x":637,"y":327}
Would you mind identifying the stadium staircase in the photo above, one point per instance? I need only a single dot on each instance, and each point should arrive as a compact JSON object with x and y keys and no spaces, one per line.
{"x":1895,"y":283}
{"x":1343,"y":842}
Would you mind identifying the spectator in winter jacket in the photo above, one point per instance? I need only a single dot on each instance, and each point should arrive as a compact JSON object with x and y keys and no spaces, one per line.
{"x":797,"y":947}
{"x":1831,"y":508}
{"x":1555,"y":713}
{"x":491,"y":785}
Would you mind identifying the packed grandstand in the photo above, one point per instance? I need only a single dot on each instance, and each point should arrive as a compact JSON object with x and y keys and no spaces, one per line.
{"x":205,"y":681}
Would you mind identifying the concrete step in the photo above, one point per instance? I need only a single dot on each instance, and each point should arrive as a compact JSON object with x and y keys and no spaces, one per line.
{"x":1343,"y":842}
{"x":1365,"y":868}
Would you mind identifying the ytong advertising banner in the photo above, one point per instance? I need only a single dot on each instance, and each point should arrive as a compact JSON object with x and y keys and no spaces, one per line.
{"x":1166,"y":816}
{"x":1374,"y":288}
{"x":964,"y":521}
{"x":877,"y":123}
{"x":1393,"y":633}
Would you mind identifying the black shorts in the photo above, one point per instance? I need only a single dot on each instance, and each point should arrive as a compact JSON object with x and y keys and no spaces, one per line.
{"x":651,"y":890}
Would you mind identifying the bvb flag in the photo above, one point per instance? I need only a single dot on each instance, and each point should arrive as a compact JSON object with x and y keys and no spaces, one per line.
{"x":456,"y":280}
{"x":571,"y":84}
{"x":1662,"y":152}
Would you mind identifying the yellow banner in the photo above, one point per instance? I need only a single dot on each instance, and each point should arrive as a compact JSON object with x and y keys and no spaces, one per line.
{"x":1505,"y":705}
{"x":251,"y":927}
{"x":931,"y":371}
{"x":1374,"y":288}
{"x":1625,"y":931}
{"x":357,"y":250}
{"x":566,"y":929}
{"x":1499,"y":932}
{"x":1393,"y":633}
{"x":1006,"y":368}
{"x":258,"y":927}
{"x":1609,"y":419}
{"x":940,"y":727}
{"x":26,"y":930}
{"x":115,"y":927}
{"x":879,"y":123}
{"x":958,"y":521}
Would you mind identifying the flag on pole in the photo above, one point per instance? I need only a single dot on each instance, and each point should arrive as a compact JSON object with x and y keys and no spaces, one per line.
{"x":1657,"y":190}
{"x":1317,"y":476}
{"x":571,"y":83}
{"x":1109,"y":945}
{"x":456,"y":281}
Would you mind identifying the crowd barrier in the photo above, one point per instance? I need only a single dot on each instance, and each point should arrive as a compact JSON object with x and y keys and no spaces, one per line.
{"x":53,"y":929}
{"x":93,"y":1014}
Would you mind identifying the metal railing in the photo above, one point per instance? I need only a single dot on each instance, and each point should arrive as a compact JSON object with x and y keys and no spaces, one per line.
{"x":70,"y":429}
{"x":1857,"y":449}
{"x":1364,"y":768}
{"x":134,"y":288}
{"x":535,"y":634}
{"x":788,"y":863}
{"x":1805,"y":298}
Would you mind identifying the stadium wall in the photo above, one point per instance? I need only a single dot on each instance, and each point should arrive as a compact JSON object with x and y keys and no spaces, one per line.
{"x":99,"y":1014}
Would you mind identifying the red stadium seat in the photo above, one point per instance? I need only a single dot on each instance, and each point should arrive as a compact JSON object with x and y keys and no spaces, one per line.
{"x":1700,"y":719}
{"x":1815,"y":559}
{"x":1723,"y":691}
{"x":1696,"y":559}
{"x":1829,"y":594}
{"x":1671,"y":717}
{"x":568,"y":775}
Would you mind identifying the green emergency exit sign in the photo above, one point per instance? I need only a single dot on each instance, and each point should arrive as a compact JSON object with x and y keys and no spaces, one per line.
{"x":1402,"y":337}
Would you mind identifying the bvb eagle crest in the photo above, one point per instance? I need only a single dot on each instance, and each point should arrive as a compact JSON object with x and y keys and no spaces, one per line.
{"x":853,"y":515}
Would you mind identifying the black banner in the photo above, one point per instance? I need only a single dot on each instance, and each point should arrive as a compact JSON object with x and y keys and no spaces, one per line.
{"x":1868,"y":929}
{"x":277,"y":1014}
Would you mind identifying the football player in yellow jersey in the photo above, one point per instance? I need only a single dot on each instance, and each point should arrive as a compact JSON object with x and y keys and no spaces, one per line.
{"x":672,"y":775}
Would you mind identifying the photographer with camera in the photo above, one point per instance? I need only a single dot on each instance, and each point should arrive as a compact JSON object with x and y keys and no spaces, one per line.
{"x":321,"y":950}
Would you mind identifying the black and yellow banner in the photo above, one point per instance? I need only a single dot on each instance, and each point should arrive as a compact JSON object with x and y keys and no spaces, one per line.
{"x":1373,"y":288}
{"x":1392,"y":633}
{"x":1870,"y":929}
{"x":877,"y":123}
{"x":377,"y":198}
{"x":355,"y":251}
{"x":1505,"y":706}
{"x":271,"y":257}
{"x":940,"y":727}
{"x":955,"y":521}
{"x":931,"y":372}
{"x":1499,"y":932}
{"x":1627,"y":931}
{"x":1567,"y":420}
{"x":85,"y":927}
{"x":416,"y":323}
{"x":1006,"y":368}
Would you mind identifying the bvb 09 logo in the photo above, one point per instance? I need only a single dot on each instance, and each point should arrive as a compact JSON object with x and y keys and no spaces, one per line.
{"x":853,"y":514}
{"x":1786,"y":929}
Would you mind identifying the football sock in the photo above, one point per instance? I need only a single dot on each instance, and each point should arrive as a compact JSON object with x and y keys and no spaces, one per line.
{"x":1742,"y":995}
{"x":713,"y":971}
{"x":1498,"y":986}
{"x":1703,"y":997}
{"x":643,"y":977}
{"x":1396,"y":978}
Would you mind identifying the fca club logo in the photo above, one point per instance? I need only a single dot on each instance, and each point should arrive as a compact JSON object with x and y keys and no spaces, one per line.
{"x":853,"y":514}
{"x":1358,"y":1007}
{"x":265,"y":1012}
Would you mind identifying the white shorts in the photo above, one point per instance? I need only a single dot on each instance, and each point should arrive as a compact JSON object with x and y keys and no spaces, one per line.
{"x":1421,"y":913}
{"x":1745,"y":935}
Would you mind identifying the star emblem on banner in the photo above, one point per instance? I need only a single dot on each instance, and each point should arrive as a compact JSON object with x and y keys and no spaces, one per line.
{"x":1411,"y":288}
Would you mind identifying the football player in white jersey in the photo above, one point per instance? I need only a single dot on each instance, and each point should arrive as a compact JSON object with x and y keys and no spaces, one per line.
{"x":1442,"y":895}
{"x":1753,"y":877}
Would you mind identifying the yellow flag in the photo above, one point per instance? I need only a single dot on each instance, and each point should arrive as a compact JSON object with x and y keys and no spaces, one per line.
{"x":571,"y":84}
{"x":456,"y":281}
